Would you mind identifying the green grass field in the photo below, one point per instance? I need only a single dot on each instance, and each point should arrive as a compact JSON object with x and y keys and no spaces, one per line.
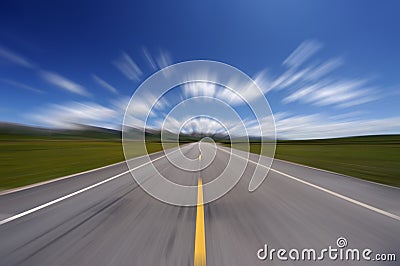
{"x":25,"y":162}
{"x":374,"y":158}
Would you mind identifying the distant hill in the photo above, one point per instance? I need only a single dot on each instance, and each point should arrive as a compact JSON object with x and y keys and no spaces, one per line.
{"x":18,"y":131}
{"x":370,"y":139}
{"x":11,"y":131}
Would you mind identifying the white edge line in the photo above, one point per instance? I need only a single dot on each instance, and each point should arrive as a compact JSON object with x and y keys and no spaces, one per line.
{"x":19,"y":215}
{"x":22,"y":214}
{"x":9,"y":191}
{"x":13,"y":190}
{"x":372,"y":208}
{"x":331,"y":172}
{"x":359,"y":203}
{"x":335,"y":173}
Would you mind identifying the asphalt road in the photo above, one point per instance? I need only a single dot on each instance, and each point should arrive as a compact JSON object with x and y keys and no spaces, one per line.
{"x":104,"y":218}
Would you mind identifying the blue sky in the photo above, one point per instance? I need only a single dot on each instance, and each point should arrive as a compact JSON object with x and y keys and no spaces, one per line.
{"x":327,"y":69}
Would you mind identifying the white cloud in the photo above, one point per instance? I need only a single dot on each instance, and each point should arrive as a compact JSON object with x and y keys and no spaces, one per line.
{"x":232,"y":97}
{"x":309,"y":74}
{"x":203,"y":125}
{"x":128,"y":67}
{"x":276,"y":84}
{"x":149,"y":59}
{"x":193,"y":89}
{"x":120,"y":103}
{"x":148,"y":105}
{"x":316,"y":126}
{"x":302,"y":82}
{"x":170,"y":123}
{"x":105,"y":84}
{"x":15,"y":58}
{"x":365,"y":96}
{"x":336,"y":93}
{"x":22,"y":85}
{"x":305,"y":50}
{"x":292,"y":77}
{"x":321,"y":126}
{"x":314,"y":83}
{"x":324,"y":68}
{"x":72,"y":114}
{"x":236,"y":93}
{"x":63,"y":83}
{"x":342,"y":93}
{"x":50,"y":77}
{"x":243,"y":93}
{"x":229,"y":96}
{"x":264,"y":126}
{"x":164,"y":59}
{"x":263,"y":81}
{"x":300,"y":94}
{"x":156,"y":62}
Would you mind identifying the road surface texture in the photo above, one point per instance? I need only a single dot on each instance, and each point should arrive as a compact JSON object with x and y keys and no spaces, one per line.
{"x":103,"y":217}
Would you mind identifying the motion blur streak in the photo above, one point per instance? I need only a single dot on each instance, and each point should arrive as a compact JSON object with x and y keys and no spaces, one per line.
{"x":118,"y":223}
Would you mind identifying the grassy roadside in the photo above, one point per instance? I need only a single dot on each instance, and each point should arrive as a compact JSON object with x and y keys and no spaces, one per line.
{"x":24,"y":162}
{"x":374,"y":158}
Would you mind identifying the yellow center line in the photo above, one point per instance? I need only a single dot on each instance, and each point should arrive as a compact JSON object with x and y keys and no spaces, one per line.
{"x":200,"y":238}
